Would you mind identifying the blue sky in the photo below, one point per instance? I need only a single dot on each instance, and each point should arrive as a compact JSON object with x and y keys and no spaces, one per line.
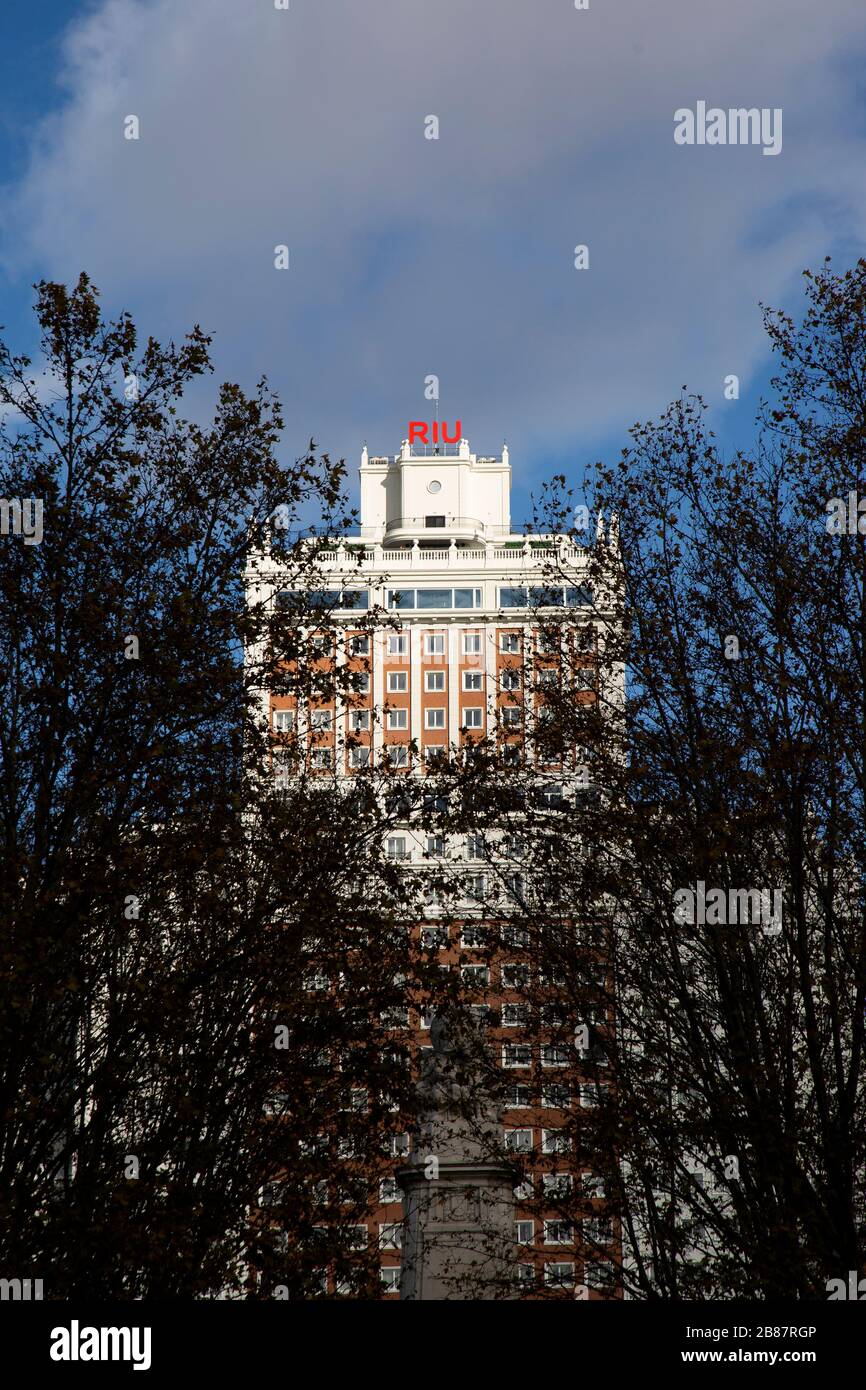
{"x":410,"y":256}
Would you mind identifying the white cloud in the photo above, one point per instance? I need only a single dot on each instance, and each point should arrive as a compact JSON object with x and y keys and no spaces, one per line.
{"x":409,"y":256}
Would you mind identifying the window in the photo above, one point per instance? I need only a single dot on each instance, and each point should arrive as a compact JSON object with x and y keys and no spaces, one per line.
{"x":558,"y":1233}
{"x":517,"y":1097}
{"x":434,"y":718}
{"x":599,"y":1230}
{"x":397,"y":847}
{"x":390,"y":1233}
{"x":390,"y":1191}
{"x":473,"y":680}
{"x":475,"y":976}
{"x":475,"y":847}
{"x":359,"y":757}
{"x":558,"y":1274}
{"x":525,"y":1277}
{"x":547,"y":677}
{"x":434,"y":938}
{"x":515,"y":1015}
{"x":359,"y":720}
{"x":434,"y":681}
{"x":524,"y":1232}
{"x":401,"y":598}
{"x":514,"y":886}
{"x":515,"y":936}
{"x":593,"y":1186}
{"x":516,"y":1055}
{"x":547,"y":642}
{"x":390,"y":1276}
{"x":591,"y":1094}
{"x":320,"y":719}
{"x":556,"y":1186}
{"x":511,"y":755}
{"x":397,"y":644}
{"x":359,"y":646}
{"x":398,"y":719}
{"x":433,"y":521}
{"x":476,"y":887}
{"x":524,"y":1192}
{"x":585,"y":678}
{"x":556,"y":1097}
{"x":471,"y":643}
{"x":434,"y":644}
{"x":550,"y":797}
{"x":358,"y":1237}
{"x":398,"y":681}
{"x":515,"y":976}
{"x":509,"y":642}
{"x":473,"y":939}
{"x":321,"y":645}
{"x":510,"y":678}
{"x":433,"y":598}
{"x":554,"y":1141}
{"x":518,"y":1141}
{"x":435,"y":846}
{"x":512,"y":717}
{"x":284,"y":720}
{"x":398,"y":754}
{"x":472,"y":717}
{"x":598,"y":1274}
{"x":554,"y":1055}
{"x":321,"y":758}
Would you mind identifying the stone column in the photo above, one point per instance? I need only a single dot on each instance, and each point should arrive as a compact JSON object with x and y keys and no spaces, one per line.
{"x":458,"y":1232}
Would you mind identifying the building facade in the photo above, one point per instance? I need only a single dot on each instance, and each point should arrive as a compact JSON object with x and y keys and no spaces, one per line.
{"x":462,"y":654}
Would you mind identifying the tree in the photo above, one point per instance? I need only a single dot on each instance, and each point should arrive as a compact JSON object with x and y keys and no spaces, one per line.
{"x":720,"y":1007}
{"x":165,"y":907}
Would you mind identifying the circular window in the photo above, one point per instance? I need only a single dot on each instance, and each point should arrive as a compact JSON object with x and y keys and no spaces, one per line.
{"x":434,"y":486}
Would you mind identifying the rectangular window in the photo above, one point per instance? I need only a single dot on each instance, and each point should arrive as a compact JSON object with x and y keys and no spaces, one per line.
{"x":321,"y":645}
{"x":472,"y":716}
{"x":547,"y":642}
{"x":322,"y":758}
{"x":476,"y":887}
{"x":320,"y":719}
{"x":548,"y":676}
{"x":558,"y":1274}
{"x":510,"y":678}
{"x":397,"y":847}
{"x":511,"y":754}
{"x":398,"y":719}
{"x":390,"y":1235}
{"x":558,"y":1233}
{"x":435,"y":846}
{"x":433,"y":598}
{"x":556,"y":1186}
{"x":434,"y":718}
{"x":358,"y":1237}
{"x":554,"y":1055}
{"x":515,"y":1015}
{"x":434,"y":644}
{"x":524,"y":1232}
{"x":475,"y":847}
{"x":467,"y":598}
{"x":401,"y":598}
{"x":397,"y":754}
{"x":398,"y":682}
{"x":359,"y":757}
{"x":471,"y":643}
{"x":434,"y":938}
{"x":390,"y":1276}
{"x":512,"y":717}
{"x":525,"y":1277}
{"x":509,"y":642}
{"x":432,"y":522}
{"x":397,"y":644}
{"x":516,"y":1055}
{"x":516,"y":1097}
{"x":473,"y":939}
{"x":284,"y":720}
{"x":518,"y":1141}
{"x":578,"y":597}
{"x":554,"y":1141}
{"x":359,"y":646}
{"x":599,"y":1275}
{"x":515,"y":976}
{"x":434,"y":681}
{"x":473,"y":680}
{"x":556,"y":1097}
{"x":475,"y":976}
{"x":359,"y":720}
{"x":512,"y":596}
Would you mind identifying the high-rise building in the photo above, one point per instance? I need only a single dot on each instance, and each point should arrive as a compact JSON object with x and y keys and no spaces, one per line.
{"x":465,"y":655}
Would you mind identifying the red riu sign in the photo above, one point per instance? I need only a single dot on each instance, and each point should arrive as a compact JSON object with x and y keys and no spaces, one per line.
{"x":418,"y":432}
